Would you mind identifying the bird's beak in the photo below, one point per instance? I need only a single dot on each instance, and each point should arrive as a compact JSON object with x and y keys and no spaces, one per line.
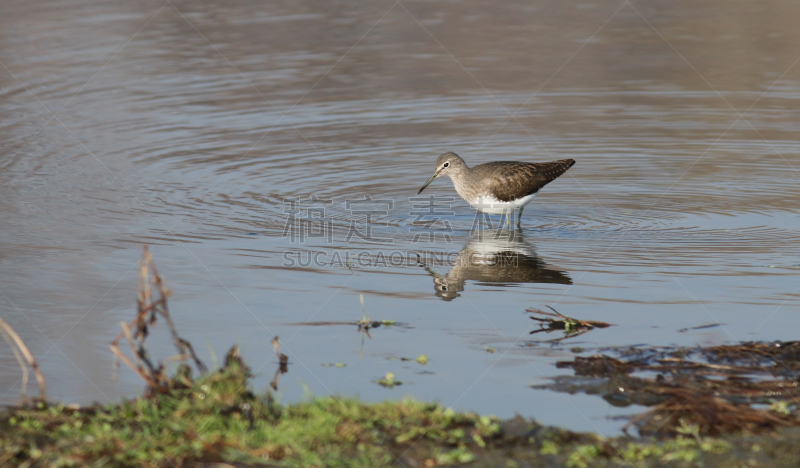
{"x":434,"y":176}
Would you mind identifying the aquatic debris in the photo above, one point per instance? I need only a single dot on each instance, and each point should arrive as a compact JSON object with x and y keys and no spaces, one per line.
{"x":597,"y":366}
{"x":780,"y":354}
{"x":328,"y":323}
{"x":557,"y":321}
{"x":712,"y":415}
{"x":366,"y":323}
{"x":388,"y":381}
{"x":421,"y":359}
{"x":749,"y":387}
{"x":701,"y":327}
{"x":366,"y":326}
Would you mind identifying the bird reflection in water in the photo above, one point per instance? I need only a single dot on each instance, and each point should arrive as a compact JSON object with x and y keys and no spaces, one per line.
{"x":496,"y":258}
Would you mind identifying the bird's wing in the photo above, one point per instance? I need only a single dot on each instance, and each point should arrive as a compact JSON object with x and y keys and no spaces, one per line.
{"x":516,"y":180}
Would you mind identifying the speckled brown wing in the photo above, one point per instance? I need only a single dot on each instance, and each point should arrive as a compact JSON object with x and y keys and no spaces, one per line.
{"x":512,"y":180}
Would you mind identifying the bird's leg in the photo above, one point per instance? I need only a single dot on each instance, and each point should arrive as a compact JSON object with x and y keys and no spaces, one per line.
{"x":508,"y":219}
{"x":519,"y":216}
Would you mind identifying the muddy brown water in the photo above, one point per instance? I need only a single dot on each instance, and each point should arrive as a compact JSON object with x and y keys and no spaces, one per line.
{"x":190,"y":126}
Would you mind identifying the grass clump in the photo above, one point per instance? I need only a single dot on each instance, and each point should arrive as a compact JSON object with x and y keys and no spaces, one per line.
{"x":219,"y":419}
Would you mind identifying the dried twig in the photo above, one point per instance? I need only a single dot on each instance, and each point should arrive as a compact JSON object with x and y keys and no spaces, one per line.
{"x":283,"y":367}
{"x":566,"y":323}
{"x":138,"y":368}
{"x":281,"y":357}
{"x":572,"y":327}
{"x":20,"y":350}
{"x":147,"y":312}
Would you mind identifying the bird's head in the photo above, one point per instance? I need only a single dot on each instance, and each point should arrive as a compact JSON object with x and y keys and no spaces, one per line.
{"x":448,"y":164}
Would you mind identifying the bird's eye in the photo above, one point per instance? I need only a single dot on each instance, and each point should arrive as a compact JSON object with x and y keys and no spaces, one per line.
{"x":446,"y":165}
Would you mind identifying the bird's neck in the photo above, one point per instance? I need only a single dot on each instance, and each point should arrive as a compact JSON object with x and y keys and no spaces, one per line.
{"x":461,"y":183}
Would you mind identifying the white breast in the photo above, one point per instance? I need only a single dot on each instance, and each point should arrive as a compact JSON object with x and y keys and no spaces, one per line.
{"x":491,"y":205}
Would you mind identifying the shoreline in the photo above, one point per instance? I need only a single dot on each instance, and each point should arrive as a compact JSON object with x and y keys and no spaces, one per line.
{"x":218,"y":421}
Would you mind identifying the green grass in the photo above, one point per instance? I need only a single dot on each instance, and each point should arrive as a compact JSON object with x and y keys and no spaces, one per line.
{"x":218,"y":418}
